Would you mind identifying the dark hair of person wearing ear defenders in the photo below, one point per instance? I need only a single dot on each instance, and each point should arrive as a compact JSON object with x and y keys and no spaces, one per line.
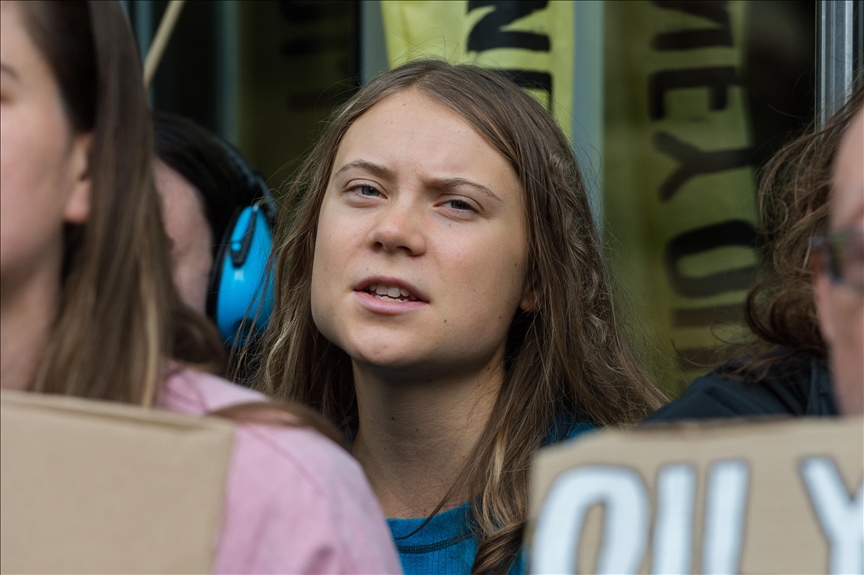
{"x":218,"y":214}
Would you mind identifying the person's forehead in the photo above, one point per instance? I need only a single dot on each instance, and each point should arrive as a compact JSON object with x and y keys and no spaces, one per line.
{"x":848,"y":195}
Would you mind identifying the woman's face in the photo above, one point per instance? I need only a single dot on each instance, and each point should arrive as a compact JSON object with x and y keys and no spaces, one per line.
{"x":421,"y":252}
{"x":190,"y":234}
{"x":841,"y":309}
{"x":44,"y":180}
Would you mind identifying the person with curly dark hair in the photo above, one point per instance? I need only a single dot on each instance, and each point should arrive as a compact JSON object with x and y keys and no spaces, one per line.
{"x":806,"y":354}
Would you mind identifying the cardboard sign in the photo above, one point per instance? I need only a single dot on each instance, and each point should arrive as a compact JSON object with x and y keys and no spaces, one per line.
{"x":97,"y":487}
{"x":771,"y":497}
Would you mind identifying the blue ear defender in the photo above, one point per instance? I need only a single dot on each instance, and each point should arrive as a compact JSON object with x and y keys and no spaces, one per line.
{"x":241,"y":297}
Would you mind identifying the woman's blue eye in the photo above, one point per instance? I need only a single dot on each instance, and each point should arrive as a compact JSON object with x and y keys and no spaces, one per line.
{"x":460,"y":205}
{"x":368,"y":191}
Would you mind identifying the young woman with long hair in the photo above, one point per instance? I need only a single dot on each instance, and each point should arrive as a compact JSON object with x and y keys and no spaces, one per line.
{"x":442,"y":297}
{"x":810,"y":291}
{"x":88,"y":304}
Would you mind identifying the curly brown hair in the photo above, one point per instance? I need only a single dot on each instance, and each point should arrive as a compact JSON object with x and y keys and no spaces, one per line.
{"x":793,"y":208}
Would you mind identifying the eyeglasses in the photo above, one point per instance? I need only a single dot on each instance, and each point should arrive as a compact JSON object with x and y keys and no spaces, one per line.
{"x":840,"y":256}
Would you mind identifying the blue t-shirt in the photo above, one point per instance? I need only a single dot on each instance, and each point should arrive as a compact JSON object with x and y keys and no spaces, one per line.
{"x":446,"y":545}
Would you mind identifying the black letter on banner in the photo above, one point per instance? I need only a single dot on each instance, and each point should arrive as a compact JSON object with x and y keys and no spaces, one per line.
{"x":730,"y":233}
{"x":530,"y":79}
{"x":714,"y":10}
{"x":694,"y":161}
{"x":487,"y":34}
{"x":717,"y":80}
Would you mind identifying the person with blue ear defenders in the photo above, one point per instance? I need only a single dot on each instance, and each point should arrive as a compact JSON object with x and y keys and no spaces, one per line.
{"x":219,"y":214}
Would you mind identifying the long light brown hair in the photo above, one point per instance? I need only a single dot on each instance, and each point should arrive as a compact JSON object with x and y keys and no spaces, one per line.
{"x":119,"y":316}
{"x":567,"y":357}
{"x":793,"y":208}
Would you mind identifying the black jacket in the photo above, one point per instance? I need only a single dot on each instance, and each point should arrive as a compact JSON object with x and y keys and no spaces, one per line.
{"x":800,"y":386}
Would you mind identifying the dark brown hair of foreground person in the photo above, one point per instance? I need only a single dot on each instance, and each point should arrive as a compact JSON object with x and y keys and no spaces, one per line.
{"x":569,"y":356}
{"x":119,"y":315}
{"x":793,"y":208}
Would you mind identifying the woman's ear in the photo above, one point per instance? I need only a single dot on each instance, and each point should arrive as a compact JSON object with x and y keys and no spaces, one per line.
{"x":77,"y":209}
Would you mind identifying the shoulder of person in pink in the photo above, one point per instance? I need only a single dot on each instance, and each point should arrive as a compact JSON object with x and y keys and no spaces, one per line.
{"x":296,"y":502}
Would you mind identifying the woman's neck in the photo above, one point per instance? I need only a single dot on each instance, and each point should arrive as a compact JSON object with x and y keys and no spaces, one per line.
{"x":27,"y":313}
{"x":415,"y":435}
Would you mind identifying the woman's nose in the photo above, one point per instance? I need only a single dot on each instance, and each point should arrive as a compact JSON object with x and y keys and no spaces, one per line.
{"x":399,"y":228}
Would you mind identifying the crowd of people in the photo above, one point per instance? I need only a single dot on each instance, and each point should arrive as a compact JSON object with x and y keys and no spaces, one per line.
{"x":440,"y":307}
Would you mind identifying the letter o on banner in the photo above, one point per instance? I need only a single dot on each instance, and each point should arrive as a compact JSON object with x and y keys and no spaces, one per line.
{"x":624,"y":497}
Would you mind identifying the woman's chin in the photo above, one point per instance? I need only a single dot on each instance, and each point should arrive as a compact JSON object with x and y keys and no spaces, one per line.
{"x":387,"y":359}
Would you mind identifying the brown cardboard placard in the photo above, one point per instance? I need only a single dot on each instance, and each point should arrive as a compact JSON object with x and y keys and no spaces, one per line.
{"x":98,"y":487}
{"x":779,"y":496}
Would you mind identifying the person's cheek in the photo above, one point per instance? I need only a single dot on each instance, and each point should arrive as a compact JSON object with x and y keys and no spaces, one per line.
{"x":325,"y":263}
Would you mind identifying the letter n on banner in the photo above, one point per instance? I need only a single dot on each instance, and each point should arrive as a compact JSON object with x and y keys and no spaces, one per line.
{"x":530,"y":42}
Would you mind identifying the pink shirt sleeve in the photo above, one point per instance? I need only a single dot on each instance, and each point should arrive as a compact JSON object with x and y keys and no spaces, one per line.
{"x":295,"y":502}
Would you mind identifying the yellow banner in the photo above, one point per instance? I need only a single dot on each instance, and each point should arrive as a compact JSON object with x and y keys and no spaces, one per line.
{"x":679,"y":187}
{"x":529,"y":42}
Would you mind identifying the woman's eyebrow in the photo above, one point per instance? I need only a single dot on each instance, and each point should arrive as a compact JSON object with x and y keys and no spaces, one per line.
{"x":441,"y":183}
{"x":447,"y":183}
{"x":380,"y":171}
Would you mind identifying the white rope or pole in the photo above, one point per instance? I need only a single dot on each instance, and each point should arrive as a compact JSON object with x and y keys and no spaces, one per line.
{"x":160,"y":41}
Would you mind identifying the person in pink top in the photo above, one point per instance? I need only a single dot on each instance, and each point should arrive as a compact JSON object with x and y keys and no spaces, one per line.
{"x":296,"y":503}
{"x":88,"y":307}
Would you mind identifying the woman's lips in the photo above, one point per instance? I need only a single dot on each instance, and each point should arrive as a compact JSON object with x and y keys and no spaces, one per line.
{"x":389,"y":296}
{"x":387,"y":306}
{"x":388,"y":293}
{"x":389,"y":288}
